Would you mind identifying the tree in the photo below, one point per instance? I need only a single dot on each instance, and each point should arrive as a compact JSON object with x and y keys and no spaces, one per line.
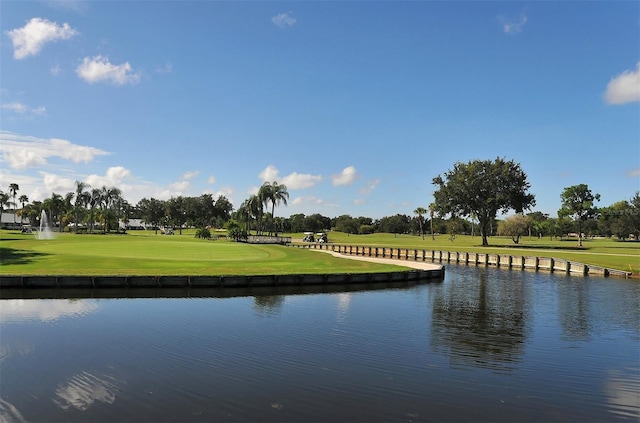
{"x":482,"y":188}
{"x":577,"y":202}
{"x":152,"y":211}
{"x":514,"y":227}
{"x":13,"y":190}
{"x":273,"y":193}
{"x":23,"y":200}
{"x":420,"y":211}
{"x":82,"y":199}
{"x":432,"y":211}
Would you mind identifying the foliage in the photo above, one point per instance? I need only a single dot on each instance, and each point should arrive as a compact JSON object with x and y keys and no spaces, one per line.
{"x":514,"y":227}
{"x":577,"y":202}
{"x":235,"y":230}
{"x":203,"y":233}
{"x":482,"y":188}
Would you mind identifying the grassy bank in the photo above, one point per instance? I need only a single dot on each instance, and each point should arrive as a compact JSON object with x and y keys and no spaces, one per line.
{"x":599,"y":252}
{"x":143,"y":253}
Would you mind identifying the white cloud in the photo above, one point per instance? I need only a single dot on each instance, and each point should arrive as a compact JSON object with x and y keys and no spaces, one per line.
{"x":115,"y":176}
{"x":624,"y":88}
{"x":56,"y":183}
{"x":283,"y":20}
{"x":293,"y":181}
{"x":633,"y":172}
{"x":21,"y":152}
{"x":22,"y":109}
{"x":28,"y":40}
{"x":371,"y":185}
{"x":359,"y":201}
{"x":511,"y":26}
{"x":211,"y":180}
{"x":178,"y":188}
{"x":307,"y":200}
{"x":346,"y":177}
{"x":99,"y":69}
{"x":190,"y":175}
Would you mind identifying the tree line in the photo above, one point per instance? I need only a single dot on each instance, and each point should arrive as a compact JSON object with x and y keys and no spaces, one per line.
{"x":467,"y":200}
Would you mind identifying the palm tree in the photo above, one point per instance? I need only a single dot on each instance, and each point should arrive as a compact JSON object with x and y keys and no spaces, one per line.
{"x":254,"y":206}
{"x":4,"y":200}
{"x":81,"y":200}
{"x":55,"y":205}
{"x":273,"y":193}
{"x":432,"y":211}
{"x":94,"y":201}
{"x":420,"y":211}
{"x":13,"y":190}
{"x":23,"y":200}
{"x":108,"y":198}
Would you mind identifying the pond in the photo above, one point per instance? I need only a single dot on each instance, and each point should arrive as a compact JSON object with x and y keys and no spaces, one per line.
{"x":482,"y":345}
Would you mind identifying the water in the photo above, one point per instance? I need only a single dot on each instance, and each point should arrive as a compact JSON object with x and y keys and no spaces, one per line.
{"x":44,"y":231}
{"x":483,"y":345}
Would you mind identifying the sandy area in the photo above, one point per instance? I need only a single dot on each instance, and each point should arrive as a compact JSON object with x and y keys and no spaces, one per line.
{"x":398,"y":262}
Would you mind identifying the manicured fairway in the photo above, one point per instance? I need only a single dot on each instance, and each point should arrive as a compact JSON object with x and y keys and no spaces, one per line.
{"x":149,"y":254}
{"x":599,"y":252}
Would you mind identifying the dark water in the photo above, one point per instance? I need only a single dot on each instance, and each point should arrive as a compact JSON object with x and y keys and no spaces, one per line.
{"x":484,"y":345}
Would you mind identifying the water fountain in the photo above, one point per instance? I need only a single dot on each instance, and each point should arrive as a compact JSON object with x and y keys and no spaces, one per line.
{"x":44,"y":232}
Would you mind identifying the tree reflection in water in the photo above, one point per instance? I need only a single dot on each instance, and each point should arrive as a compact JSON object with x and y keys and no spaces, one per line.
{"x":482,"y":322}
{"x":268,"y":304}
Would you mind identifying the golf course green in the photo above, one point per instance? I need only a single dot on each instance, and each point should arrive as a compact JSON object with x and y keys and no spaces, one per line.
{"x":147,"y":253}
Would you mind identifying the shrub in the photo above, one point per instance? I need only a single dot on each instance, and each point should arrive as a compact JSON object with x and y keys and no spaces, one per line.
{"x":203,"y":233}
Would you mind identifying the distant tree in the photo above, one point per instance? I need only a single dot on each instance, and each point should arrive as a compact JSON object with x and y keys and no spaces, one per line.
{"x":420,"y":211}
{"x":482,"y":188}
{"x":432,"y":211}
{"x":235,"y":230}
{"x":536,"y":223}
{"x":152,"y":211}
{"x":617,"y":219}
{"x":577,"y":203}
{"x":346,"y":224}
{"x":82,"y":198}
{"x":4,"y":201}
{"x":55,"y":205}
{"x":273,"y":193}
{"x":223,"y":208}
{"x":23,"y":200}
{"x":13,"y":190}
{"x":514,"y":227}
{"x":175,"y":211}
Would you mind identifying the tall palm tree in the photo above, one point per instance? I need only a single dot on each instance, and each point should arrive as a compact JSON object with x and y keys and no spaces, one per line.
{"x":23,"y":200}
{"x":273,"y":193}
{"x":4,"y":200}
{"x":420,"y":211}
{"x":254,"y":206}
{"x":94,"y":201}
{"x":109,"y":196}
{"x":13,"y":190}
{"x":432,"y":211}
{"x":81,"y":200}
{"x":55,"y":206}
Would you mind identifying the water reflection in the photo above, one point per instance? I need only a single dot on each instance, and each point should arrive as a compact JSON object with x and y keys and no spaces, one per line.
{"x":481,"y":321}
{"x":268,"y":304}
{"x":44,"y":310}
{"x":9,"y":413}
{"x":83,"y":390}
{"x":623,"y":390}
{"x":573,"y":310}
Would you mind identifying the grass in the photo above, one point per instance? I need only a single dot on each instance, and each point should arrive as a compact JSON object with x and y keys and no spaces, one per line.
{"x":143,"y":253}
{"x":607,"y":253}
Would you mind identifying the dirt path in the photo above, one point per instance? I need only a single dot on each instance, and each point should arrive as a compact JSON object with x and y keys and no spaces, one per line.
{"x":397,"y":262}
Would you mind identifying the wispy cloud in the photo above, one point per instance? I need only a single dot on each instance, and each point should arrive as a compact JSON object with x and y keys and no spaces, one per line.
{"x":624,"y":88}
{"x":99,"y":69}
{"x":22,"y":109}
{"x":634,"y":173}
{"x":168,"y":68}
{"x":371,"y":185}
{"x":346,"y":177}
{"x":22,"y":152}
{"x":513,"y":26}
{"x":283,"y":20}
{"x":29,"y":40}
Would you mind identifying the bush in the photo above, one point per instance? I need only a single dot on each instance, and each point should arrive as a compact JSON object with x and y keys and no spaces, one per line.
{"x":203,"y":233}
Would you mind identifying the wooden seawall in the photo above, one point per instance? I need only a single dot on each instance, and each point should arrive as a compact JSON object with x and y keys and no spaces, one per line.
{"x":508,"y":261}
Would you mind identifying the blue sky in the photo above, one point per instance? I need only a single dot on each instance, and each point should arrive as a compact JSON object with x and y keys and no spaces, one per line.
{"x":355,"y":106}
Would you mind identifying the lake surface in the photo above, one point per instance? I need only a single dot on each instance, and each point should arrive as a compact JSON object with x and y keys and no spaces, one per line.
{"x":482,"y":345}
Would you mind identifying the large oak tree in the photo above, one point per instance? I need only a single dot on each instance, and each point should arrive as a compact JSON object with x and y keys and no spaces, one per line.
{"x":482,"y":188}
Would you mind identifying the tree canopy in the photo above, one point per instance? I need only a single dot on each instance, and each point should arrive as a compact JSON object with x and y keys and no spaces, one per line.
{"x":577,"y":202}
{"x":482,"y":188}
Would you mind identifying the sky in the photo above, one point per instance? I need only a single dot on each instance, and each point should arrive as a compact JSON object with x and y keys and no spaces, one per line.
{"x":354,"y":105}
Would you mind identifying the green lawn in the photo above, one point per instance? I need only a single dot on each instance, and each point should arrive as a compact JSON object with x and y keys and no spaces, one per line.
{"x":143,"y":253}
{"x":599,"y":252}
